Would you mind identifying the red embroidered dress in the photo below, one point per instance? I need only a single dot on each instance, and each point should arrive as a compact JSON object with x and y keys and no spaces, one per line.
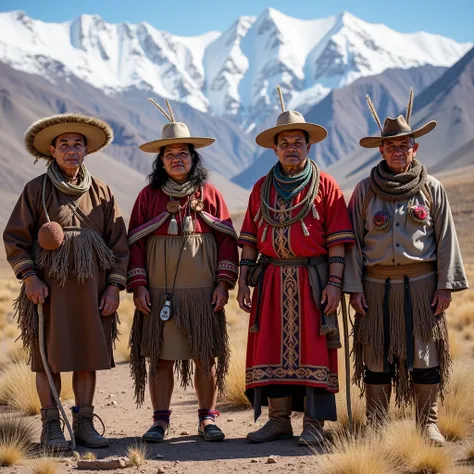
{"x":288,"y":349}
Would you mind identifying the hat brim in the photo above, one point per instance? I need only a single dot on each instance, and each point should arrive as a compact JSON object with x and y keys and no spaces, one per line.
{"x":316,"y":133}
{"x":39,"y":136}
{"x":375,"y":142}
{"x":156,"y":145}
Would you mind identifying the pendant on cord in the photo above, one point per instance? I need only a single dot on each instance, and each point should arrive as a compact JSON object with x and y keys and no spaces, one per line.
{"x":166,"y":311}
{"x":197,"y":205}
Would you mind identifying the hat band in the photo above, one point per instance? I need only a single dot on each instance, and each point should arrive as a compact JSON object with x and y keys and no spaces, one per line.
{"x":395,"y":132}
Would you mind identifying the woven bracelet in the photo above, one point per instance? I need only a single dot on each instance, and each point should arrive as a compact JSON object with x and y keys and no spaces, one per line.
{"x":336,"y":277}
{"x":334,"y":283}
{"x":336,"y":260}
{"x":247,"y":262}
{"x":28,"y":274}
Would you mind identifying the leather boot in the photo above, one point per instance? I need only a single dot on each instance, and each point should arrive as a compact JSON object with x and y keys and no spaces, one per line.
{"x":52,"y":436}
{"x":313,"y":432}
{"x":83,"y":426}
{"x":426,"y":403}
{"x":279,"y":424}
{"x":377,"y":398}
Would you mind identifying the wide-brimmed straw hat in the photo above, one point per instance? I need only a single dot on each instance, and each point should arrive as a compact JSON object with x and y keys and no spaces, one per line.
{"x":40,"y":135}
{"x":290,"y":120}
{"x":395,"y":127}
{"x":173,"y":133}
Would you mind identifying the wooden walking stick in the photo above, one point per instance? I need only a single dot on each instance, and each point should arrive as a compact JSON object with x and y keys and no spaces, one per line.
{"x":52,"y":386}
{"x":345,"y":323}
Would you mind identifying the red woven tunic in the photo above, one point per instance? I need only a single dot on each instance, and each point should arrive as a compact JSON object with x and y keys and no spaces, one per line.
{"x":289,"y":349}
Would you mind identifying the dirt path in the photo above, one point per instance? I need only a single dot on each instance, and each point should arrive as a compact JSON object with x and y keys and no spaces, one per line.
{"x":185,"y":452}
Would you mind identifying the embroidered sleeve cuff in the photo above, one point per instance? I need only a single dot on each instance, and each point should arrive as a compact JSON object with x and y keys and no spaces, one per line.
{"x":117,"y":279}
{"x":247,"y":239}
{"x":23,"y":265}
{"x":230,"y":281}
{"x":136,"y":277}
{"x":343,"y":237}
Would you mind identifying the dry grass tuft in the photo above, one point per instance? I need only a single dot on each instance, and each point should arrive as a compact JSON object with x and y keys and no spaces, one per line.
{"x":458,"y":410}
{"x":89,"y":456}
{"x":15,"y":438}
{"x":470,"y":452}
{"x":137,"y":454}
{"x":44,"y":466}
{"x":354,"y":455}
{"x":358,"y":411}
{"x":18,"y":388}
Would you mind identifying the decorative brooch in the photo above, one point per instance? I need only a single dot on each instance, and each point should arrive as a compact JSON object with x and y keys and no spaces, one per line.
{"x":418,"y":213}
{"x":381,"y":221}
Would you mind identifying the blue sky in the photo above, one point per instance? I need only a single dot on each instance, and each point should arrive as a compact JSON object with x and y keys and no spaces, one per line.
{"x":454,"y":18}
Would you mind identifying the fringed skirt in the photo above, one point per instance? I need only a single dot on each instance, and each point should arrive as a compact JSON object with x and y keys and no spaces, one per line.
{"x":400,"y":330}
{"x":186,"y":267}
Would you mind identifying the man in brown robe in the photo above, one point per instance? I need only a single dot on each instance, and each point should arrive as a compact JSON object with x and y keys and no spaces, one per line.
{"x":67,"y":241}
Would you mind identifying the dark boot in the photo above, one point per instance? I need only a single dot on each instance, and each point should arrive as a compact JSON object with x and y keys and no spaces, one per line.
{"x":313,"y":432}
{"x":279,"y":424}
{"x":426,"y":403}
{"x":52,"y":437}
{"x":377,"y":398}
{"x":84,"y":430}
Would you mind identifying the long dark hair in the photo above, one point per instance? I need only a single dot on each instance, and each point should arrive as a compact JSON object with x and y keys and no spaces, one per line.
{"x":197,"y":174}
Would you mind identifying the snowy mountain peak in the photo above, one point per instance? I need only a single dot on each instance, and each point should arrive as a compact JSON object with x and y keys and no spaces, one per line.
{"x":233,"y":73}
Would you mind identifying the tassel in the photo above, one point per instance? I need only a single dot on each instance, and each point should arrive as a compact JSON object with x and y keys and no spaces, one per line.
{"x":260,"y":223}
{"x":188,"y":225}
{"x":257,"y":216}
{"x":315,"y":213}
{"x":305,"y":229}
{"x":173,"y":227}
{"x":264,"y":234}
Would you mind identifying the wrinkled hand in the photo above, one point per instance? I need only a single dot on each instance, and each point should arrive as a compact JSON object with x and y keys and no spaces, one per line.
{"x":220,"y":296}
{"x":359,"y":303}
{"x":441,"y":301}
{"x":110,"y":301}
{"x":36,"y":290}
{"x":331,"y":297}
{"x":141,"y":299}
{"x":244,"y":298}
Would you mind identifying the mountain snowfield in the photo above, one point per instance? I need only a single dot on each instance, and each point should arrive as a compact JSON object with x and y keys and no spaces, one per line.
{"x":231,"y":74}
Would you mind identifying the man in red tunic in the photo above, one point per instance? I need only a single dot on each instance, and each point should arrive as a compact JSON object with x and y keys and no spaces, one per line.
{"x":298,"y":222}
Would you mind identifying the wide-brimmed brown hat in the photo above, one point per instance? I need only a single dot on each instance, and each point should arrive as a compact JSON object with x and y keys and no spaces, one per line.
{"x":40,"y":135}
{"x":173,"y":133}
{"x":395,"y":127}
{"x":290,"y":120}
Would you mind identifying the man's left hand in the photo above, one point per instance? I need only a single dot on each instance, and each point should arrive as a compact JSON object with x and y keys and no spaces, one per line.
{"x":331,"y":297}
{"x":110,"y":301}
{"x":441,"y":301}
{"x":220,"y":296}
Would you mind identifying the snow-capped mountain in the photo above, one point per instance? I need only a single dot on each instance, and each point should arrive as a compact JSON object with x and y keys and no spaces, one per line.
{"x":229,"y":74}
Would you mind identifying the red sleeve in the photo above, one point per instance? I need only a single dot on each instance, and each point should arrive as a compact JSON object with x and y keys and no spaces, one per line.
{"x":136,"y":274}
{"x":338,"y":224}
{"x":227,"y":254}
{"x":249,"y":231}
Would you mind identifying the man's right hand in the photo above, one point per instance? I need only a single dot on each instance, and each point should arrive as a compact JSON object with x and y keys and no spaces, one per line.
{"x":142,"y":299}
{"x":36,"y":290}
{"x":359,"y":303}
{"x":244,"y":299}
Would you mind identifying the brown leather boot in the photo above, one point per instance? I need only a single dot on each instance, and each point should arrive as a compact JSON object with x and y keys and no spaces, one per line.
{"x":83,"y":426}
{"x":52,"y":436}
{"x":279,"y":424}
{"x":426,"y":403}
{"x":377,"y":398}
{"x":313,"y":432}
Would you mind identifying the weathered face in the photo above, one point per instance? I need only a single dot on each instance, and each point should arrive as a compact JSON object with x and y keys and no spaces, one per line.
{"x":69,"y":151}
{"x":177,"y":161}
{"x":399,"y":153}
{"x":291,"y":148}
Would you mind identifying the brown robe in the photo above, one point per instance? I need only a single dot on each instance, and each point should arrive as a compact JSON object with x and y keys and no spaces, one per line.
{"x":77,"y":337}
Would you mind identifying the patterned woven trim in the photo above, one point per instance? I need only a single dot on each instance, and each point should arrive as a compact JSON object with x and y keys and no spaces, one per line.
{"x":22,"y":265}
{"x":218,"y":224}
{"x":147,"y":228}
{"x":246,"y":238}
{"x":117,"y":278}
{"x":227,"y":279}
{"x":227,"y":265}
{"x":345,"y":235}
{"x":136,"y":272}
